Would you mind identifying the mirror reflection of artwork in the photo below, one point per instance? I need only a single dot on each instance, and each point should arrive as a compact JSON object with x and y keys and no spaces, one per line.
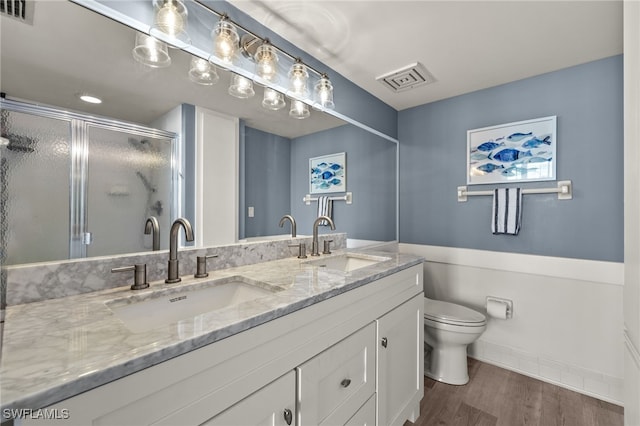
{"x":328,"y":173}
{"x":513,"y":152}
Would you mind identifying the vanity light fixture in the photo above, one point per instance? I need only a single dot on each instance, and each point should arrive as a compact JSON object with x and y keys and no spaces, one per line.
{"x":225,"y":39}
{"x":299,"y":109}
{"x":323,"y":92}
{"x":171,"y":21}
{"x":298,"y":76}
{"x":266,"y":59}
{"x":202,"y":72}
{"x":151,"y":51}
{"x":241,"y":87}
{"x":273,"y":99}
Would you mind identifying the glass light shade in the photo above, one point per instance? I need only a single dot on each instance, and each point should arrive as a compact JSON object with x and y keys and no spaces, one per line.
{"x":323,"y":92}
{"x":225,"y":40}
{"x":266,"y":59}
{"x":298,"y":77}
{"x":241,"y":87}
{"x":169,"y":20}
{"x":299,"y":110}
{"x":151,"y":52}
{"x":272,"y":99}
{"x":202,"y":72}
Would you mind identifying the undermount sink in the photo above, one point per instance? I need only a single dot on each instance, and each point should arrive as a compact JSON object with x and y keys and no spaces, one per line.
{"x":348,"y":262}
{"x":163,"y":307}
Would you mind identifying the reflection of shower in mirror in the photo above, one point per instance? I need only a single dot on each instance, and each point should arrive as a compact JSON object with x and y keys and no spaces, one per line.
{"x":150,"y":188}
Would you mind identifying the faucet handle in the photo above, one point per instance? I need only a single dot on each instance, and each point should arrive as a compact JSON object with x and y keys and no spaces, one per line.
{"x":327,"y":247}
{"x":201,"y":265}
{"x":302,"y":250}
{"x":139,"y":275}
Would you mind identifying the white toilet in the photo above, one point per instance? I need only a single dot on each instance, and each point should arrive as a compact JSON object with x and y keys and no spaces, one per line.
{"x":448,"y":329}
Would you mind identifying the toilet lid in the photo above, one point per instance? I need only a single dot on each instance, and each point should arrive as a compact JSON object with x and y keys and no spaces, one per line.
{"x":438,"y":310}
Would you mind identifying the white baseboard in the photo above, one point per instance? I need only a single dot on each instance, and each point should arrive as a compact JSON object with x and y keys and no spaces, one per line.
{"x":587,"y":382}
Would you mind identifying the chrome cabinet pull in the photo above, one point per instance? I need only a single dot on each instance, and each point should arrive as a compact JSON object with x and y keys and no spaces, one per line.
{"x":288,"y":416}
{"x":384,"y":342}
{"x":345,"y":383}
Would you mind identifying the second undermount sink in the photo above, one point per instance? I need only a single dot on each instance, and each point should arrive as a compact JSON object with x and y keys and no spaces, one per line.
{"x":163,"y":307}
{"x":348,"y":262}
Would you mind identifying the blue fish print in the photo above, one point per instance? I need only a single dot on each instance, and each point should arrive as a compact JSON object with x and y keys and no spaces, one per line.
{"x":531,"y":160}
{"x":509,"y":154}
{"x":478,"y":156}
{"x":534,"y":142}
{"x":489,"y":167}
{"x":489,"y":146}
{"x":335,"y":181}
{"x":327,"y":174}
{"x":514,"y":171}
{"x":335,"y":166}
{"x":515,"y":137}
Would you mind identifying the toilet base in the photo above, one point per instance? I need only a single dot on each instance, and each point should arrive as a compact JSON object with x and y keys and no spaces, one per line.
{"x":448,"y":366}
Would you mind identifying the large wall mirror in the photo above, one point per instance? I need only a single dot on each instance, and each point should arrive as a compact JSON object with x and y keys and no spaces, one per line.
{"x":68,"y":50}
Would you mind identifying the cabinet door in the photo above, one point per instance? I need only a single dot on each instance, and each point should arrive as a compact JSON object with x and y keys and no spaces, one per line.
{"x":336,"y":383}
{"x":366,"y":415}
{"x":400,"y":361}
{"x":273,"y":405}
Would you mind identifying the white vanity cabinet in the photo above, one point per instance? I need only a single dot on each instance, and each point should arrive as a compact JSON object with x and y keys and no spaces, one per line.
{"x":273,"y":405}
{"x":325,"y":363}
{"x":336,"y":383}
{"x":400,"y":355}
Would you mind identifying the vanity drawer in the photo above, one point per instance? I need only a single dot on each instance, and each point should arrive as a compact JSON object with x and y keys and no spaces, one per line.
{"x":336,"y":383}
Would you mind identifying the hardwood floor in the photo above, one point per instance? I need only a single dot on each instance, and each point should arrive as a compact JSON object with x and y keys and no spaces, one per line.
{"x":499,"y":397}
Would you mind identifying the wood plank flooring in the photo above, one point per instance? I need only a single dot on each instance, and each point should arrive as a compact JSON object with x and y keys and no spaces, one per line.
{"x":499,"y":397}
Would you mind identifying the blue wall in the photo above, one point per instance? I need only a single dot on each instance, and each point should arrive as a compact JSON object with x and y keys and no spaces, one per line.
{"x":371,"y":171}
{"x":587,"y":100}
{"x":266,"y":170}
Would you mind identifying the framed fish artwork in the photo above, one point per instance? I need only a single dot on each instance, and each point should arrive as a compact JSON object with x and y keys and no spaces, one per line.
{"x":328,"y":173}
{"x":524,"y":151}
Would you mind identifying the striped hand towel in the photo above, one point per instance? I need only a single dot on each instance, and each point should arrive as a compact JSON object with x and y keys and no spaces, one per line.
{"x":507,"y":211}
{"x":325,"y":207}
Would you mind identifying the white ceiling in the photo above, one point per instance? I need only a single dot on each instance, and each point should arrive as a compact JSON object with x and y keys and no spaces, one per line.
{"x":466,"y":45}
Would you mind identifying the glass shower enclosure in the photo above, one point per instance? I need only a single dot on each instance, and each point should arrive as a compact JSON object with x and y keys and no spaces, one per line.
{"x":75,"y":186}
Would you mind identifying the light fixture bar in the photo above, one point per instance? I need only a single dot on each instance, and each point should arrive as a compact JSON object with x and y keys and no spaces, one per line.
{"x":246,"y":31}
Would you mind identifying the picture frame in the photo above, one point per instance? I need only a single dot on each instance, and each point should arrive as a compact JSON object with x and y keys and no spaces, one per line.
{"x":523,"y":151}
{"x":328,"y":173}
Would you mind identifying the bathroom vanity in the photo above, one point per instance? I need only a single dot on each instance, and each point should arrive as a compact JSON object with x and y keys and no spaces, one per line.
{"x":335,"y":340}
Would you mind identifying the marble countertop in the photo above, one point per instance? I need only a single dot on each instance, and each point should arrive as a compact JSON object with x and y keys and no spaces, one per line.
{"x":55,"y":349}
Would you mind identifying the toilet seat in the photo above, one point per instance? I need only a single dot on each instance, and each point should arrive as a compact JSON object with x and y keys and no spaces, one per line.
{"x":452,"y":314}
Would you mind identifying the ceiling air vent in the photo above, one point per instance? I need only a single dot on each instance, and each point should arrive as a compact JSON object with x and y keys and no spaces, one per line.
{"x":18,"y":9}
{"x":406,"y":78}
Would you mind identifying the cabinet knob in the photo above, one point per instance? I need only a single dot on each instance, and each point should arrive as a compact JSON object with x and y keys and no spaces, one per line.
{"x":345,"y":383}
{"x":288,"y":416}
{"x":384,"y":342}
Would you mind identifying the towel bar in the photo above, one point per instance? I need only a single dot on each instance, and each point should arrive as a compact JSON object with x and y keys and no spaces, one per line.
{"x":348,"y":197}
{"x":564,"y":190}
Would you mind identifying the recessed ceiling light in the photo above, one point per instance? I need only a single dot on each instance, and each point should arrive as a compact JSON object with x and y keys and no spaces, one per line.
{"x":90,"y":99}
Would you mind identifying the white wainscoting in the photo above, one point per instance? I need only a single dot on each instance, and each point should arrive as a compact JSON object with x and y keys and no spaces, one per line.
{"x":567,"y":325}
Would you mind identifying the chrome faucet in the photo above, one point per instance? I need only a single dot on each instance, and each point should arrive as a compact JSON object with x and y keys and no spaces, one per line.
{"x":314,"y":244}
{"x":293,"y":224}
{"x":151,"y":227}
{"x":172,"y":275}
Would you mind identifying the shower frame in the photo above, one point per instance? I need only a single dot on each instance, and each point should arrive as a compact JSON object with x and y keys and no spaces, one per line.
{"x":79,"y":236}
